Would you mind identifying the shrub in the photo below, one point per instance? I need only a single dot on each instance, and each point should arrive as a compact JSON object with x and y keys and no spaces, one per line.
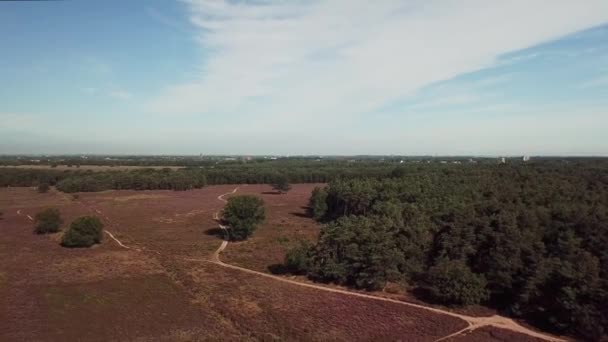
{"x":83,"y":232}
{"x":48,"y":221}
{"x":297,"y":259}
{"x":243,"y":214}
{"x":43,"y":187}
{"x":281,"y":184}
{"x":453,"y":282}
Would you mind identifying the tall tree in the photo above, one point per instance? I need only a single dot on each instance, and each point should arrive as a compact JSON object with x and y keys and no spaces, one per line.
{"x":243,"y":214}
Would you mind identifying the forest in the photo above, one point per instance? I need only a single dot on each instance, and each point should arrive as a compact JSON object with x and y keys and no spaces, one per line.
{"x":528,"y":240}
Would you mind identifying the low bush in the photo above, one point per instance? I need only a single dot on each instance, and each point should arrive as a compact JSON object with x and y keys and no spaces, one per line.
{"x":83,"y":232}
{"x":48,"y":221}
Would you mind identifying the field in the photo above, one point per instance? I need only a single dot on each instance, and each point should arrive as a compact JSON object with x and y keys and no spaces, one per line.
{"x":164,"y":285}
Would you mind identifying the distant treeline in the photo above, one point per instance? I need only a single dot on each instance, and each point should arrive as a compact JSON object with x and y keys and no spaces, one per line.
{"x":296,"y":170}
{"x":212,"y":160}
{"x":530,"y":240}
{"x":189,"y":178}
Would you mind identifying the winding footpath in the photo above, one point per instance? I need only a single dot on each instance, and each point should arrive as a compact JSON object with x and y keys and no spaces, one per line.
{"x":473,"y":322}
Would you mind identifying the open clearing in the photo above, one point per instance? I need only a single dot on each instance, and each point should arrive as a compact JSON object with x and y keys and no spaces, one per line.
{"x":163,"y":286}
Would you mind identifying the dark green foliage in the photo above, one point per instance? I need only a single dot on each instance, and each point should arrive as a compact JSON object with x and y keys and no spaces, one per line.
{"x":48,"y":221}
{"x":281,"y":184}
{"x":529,"y":239}
{"x":297,"y":259}
{"x":85,"y":231}
{"x":317,"y":205}
{"x":243,"y":214}
{"x":356,"y":251}
{"x":453,"y":282}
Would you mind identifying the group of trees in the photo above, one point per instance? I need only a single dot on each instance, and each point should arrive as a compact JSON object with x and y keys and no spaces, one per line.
{"x":84,"y":231}
{"x":528,"y":240}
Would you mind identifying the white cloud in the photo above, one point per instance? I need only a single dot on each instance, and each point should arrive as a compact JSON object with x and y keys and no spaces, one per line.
{"x":288,"y":64}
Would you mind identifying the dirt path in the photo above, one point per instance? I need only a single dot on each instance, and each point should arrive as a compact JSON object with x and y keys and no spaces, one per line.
{"x":28,"y":216}
{"x":473,"y":322}
{"x":216,"y":254}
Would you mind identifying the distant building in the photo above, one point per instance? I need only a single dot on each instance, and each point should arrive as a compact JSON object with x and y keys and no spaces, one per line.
{"x":526,"y":158}
{"x":503,"y":160}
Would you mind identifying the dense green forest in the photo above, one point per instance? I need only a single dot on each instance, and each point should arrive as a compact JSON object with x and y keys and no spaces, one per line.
{"x":530,"y":240}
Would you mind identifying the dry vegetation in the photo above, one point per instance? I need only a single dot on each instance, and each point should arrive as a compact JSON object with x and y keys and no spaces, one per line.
{"x":166,"y":291}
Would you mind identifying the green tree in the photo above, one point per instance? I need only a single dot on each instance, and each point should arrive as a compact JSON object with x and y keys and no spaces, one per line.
{"x":243,"y":214}
{"x":453,"y":282}
{"x":85,"y":231}
{"x":317,"y":204}
{"x":281,"y":184}
{"x":48,"y":221}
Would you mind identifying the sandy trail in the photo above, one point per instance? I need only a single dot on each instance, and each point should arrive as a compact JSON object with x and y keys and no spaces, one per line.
{"x":216,"y":254}
{"x":473,"y":322}
{"x":28,"y":216}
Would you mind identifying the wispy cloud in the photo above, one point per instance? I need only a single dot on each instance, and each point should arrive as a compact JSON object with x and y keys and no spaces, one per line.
{"x":287,"y":62}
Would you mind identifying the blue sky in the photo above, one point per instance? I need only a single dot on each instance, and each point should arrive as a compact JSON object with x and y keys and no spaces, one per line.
{"x":304,"y":77}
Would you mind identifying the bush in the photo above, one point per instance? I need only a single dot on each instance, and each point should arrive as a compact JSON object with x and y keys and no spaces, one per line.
{"x":453,"y":282}
{"x":297,"y":259}
{"x":48,"y":221}
{"x":243,"y":213}
{"x":281,"y":184}
{"x":43,"y":187}
{"x":83,"y":232}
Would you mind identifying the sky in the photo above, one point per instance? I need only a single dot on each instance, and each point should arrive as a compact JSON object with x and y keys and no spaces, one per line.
{"x":407,"y":77}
